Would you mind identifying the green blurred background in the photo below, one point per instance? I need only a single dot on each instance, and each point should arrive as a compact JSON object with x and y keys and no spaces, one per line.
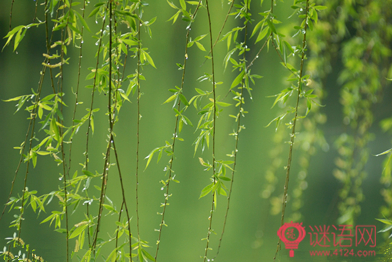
{"x":251,"y":228}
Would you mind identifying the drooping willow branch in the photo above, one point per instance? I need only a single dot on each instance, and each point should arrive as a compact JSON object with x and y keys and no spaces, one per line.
{"x":107,"y":155}
{"x":288,"y":167}
{"x":61,"y":81}
{"x":238,"y":130}
{"x":124,"y":202}
{"x":77,"y":86}
{"x":223,"y":26}
{"x":90,"y":116}
{"x":175,"y":135}
{"x":213,"y":132}
{"x":12,"y":5}
{"x":137,"y":131}
{"x":33,"y":119}
{"x":74,"y":112}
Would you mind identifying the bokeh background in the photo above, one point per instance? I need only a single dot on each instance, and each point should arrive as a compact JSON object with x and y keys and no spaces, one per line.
{"x":252,"y":224}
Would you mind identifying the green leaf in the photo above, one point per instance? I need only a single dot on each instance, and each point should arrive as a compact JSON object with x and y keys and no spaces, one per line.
{"x":55,"y":130}
{"x":48,"y":218}
{"x":112,"y":256}
{"x":193,"y":2}
{"x":175,"y":16}
{"x":82,"y":21}
{"x":94,"y":11}
{"x":271,"y":26}
{"x":34,"y":158}
{"x":149,"y":59}
{"x":385,"y":229}
{"x":262,"y":34}
{"x":78,"y":230}
{"x":237,"y":80}
{"x":150,"y":156}
{"x":19,"y":36}
{"x":309,"y":105}
{"x":223,"y":104}
{"x":206,"y":190}
{"x":187,"y":120}
{"x":200,"y":37}
{"x":320,"y":7}
{"x":110,"y":208}
{"x":183,"y":4}
{"x":289,"y":46}
{"x":385,"y":221}
{"x":147,"y":255}
{"x":88,"y":173}
{"x":11,"y":34}
{"x":59,"y":114}
{"x":221,"y":191}
{"x":183,"y":99}
{"x":201,"y":92}
{"x":172,"y":5}
{"x":200,"y":46}
{"x":13,"y":99}
{"x":256,"y":28}
{"x":170,"y":98}
{"x":33,"y":203}
{"x":139,"y":251}
{"x":385,"y":152}
{"x":92,"y":123}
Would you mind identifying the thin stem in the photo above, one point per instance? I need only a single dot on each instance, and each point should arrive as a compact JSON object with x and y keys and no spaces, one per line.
{"x":174,"y":139}
{"x":223,"y":26}
{"x":90,"y":115}
{"x":33,"y":118}
{"x":101,"y":198}
{"x":266,"y":41}
{"x":119,"y":220}
{"x":20,"y":161}
{"x":35,"y":11}
{"x":236,"y":136}
{"x":12,"y":5}
{"x":93,"y":92}
{"x":288,"y":168}
{"x":74,"y":113}
{"x":213,"y":132}
{"x":138,"y":134}
{"x":124,"y":202}
{"x":77,"y":87}
{"x":107,"y":155}
{"x":61,"y":80}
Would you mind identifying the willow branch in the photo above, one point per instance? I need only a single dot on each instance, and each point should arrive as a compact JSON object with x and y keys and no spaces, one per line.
{"x":288,"y":167}
{"x":213,"y":132}
{"x":236,"y":137}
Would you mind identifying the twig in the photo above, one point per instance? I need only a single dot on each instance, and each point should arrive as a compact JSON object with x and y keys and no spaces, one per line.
{"x":236,"y":138}
{"x":286,"y":185}
{"x":174,"y":139}
{"x":213,"y":132}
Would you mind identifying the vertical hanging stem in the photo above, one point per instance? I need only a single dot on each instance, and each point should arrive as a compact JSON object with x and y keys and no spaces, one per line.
{"x":288,"y":168}
{"x":124,"y":202}
{"x":137,"y":133}
{"x":74,"y":113}
{"x":89,"y":121}
{"x":174,"y":137}
{"x":213,"y":131}
{"x":12,"y":5}
{"x":236,"y":136}
{"x":107,"y":156}
{"x":62,"y":139}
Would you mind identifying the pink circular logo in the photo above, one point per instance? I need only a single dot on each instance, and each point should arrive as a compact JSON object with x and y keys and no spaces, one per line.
{"x":290,"y":238}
